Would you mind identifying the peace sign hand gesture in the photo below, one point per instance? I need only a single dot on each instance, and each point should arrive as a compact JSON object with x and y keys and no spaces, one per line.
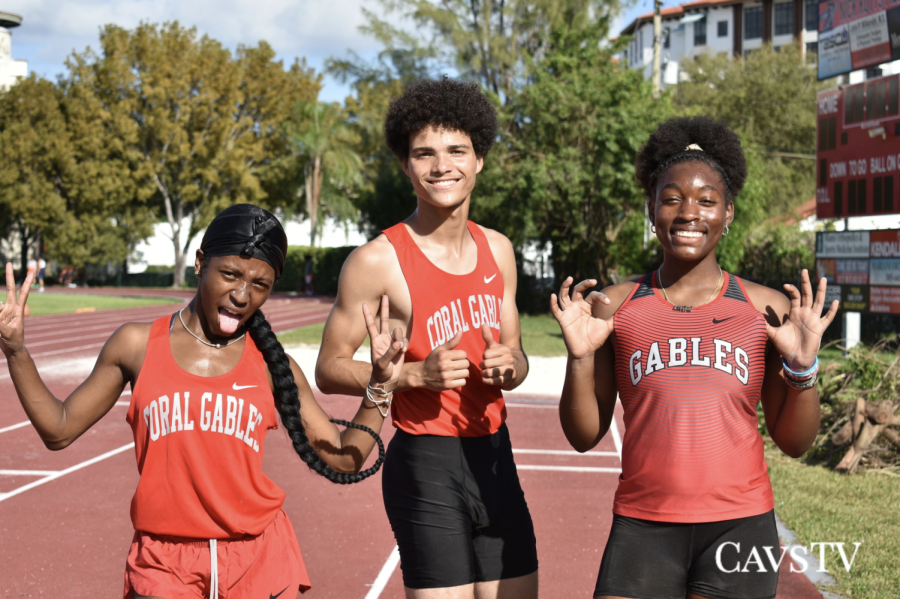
{"x":13,"y":313}
{"x":582,"y":332}
{"x":388,"y":349}
{"x":798,"y":337}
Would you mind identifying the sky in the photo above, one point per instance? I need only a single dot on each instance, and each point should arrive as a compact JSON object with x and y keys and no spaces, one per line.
{"x":315,"y":29}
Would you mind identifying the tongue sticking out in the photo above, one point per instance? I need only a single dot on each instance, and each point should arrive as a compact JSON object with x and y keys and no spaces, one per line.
{"x":228,"y":322}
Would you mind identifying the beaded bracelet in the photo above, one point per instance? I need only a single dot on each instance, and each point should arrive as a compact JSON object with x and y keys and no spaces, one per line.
{"x":801,"y":385}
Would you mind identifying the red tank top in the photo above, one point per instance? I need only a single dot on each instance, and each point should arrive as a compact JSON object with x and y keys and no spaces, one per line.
{"x":199,"y":446}
{"x":444,"y":304}
{"x":689,"y":383}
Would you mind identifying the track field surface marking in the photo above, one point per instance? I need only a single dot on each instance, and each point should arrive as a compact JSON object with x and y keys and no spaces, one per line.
{"x":385,"y":574}
{"x":61,"y":473}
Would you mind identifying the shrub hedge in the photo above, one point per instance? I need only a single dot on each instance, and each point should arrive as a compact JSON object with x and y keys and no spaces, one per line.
{"x":327,"y":264}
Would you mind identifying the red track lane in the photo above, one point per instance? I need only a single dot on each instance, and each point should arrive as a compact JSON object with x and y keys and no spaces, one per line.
{"x":69,"y":537}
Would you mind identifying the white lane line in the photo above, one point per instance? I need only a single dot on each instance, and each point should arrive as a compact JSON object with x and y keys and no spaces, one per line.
{"x":385,"y":575}
{"x":533,"y":406}
{"x":568,"y":452}
{"x":28,"y":472}
{"x":614,"y":431}
{"x":13,"y":427}
{"x":61,"y":473}
{"x":567,"y":468}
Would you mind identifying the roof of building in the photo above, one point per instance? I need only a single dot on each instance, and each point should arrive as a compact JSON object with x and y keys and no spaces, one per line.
{"x":9,"y":20}
{"x":677,"y":12}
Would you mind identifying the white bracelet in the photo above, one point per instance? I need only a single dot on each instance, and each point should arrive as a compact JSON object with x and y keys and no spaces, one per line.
{"x":383,"y":403}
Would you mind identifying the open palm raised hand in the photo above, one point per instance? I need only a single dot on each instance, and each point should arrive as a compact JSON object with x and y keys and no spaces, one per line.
{"x":388,"y":348}
{"x":582,"y":332}
{"x":13,"y":313}
{"x":799,"y":336}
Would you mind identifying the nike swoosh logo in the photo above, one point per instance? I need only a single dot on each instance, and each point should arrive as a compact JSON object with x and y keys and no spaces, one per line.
{"x":715,"y":321}
{"x":236,"y":387}
{"x":488,"y":280}
{"x":271,"y":596}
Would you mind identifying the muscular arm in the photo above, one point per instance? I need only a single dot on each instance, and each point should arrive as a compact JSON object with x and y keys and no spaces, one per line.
{"x":792,"y":416}
{"x":589,"y":393}
{"x":58,"y":422}
{"x":363,"y":281}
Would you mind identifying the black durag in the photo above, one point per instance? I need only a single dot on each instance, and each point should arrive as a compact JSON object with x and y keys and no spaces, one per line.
{"x":247,"y":230}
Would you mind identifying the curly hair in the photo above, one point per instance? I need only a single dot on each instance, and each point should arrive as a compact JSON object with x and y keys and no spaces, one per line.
{"x":445,"y":103}
{"x":668,"y":146}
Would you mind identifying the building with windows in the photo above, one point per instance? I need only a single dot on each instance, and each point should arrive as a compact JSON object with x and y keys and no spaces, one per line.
{"x":733,"y":26}
{"x":10,"y":69}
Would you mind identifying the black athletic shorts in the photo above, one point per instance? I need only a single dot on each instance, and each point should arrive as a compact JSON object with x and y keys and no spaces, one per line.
{"x":457,"y":510}
{"x":662,"y":560}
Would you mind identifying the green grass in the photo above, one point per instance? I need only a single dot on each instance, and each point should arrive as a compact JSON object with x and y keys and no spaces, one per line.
{"x":819,"y":505}
{"x":67,"y":303}
{"x":311,"y":335}
{"x":540,"y":336}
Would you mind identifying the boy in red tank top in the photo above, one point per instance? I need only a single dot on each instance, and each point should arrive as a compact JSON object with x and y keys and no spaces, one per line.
{"x":450,"y":485}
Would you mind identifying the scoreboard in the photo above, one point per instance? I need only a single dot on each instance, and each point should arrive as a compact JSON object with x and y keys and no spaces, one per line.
{"x":862,"y":269}
{"x":858,"y":149}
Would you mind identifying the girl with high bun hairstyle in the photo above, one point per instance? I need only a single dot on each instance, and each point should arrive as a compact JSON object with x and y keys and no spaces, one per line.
{"x":207,"y":383}
{"x":690,"y":350}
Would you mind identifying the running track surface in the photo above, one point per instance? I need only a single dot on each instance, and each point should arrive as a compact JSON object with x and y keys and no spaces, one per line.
{"x":65,"y":521}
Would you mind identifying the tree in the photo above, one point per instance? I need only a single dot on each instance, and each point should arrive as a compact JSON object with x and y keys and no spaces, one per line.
{"x":489,"y":41}
{"x":35,"y":159}
{"x":323,"y":145}
{"x":384,"y":195}
{"x":197,"y":125}
{"x":769,"y":97}
{"x":565,"y":170}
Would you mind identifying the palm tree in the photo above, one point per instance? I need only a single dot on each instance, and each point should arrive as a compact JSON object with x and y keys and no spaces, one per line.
{"x":323,"y":143}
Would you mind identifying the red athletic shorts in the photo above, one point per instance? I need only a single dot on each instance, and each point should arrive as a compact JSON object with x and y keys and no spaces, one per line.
{"x":267,"y":565}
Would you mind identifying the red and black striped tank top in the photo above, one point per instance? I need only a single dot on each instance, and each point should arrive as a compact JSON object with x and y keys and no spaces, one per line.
{"x":689,"y":383}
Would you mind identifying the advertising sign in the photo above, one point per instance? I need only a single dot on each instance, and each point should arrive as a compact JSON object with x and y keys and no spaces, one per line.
{"x":862,"y":269}
{"x":855,"y":34}
{"x":834,"y":52}
{"x":884,"y":271}
{"x":858,"y":151}
{"x":855,"y":297}
{"x":842,"y":244}
{"x":869,"y":43}
{"x":884,"y":244}
{"x":884,"y":300}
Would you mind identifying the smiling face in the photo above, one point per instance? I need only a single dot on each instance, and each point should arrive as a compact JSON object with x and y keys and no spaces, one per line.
{"x":442,"y":166}
{"x":232,"y":288}
{"x":690,"y":210}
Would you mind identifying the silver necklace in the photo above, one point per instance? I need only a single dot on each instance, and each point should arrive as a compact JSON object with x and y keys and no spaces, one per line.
{"x":216,"y":345}
{"x":688,"y":308}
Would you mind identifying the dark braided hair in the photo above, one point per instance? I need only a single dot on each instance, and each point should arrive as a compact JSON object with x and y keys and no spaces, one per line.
{"x":244,"y":229}
{"x":287,"y":400}
{"x":667,"y":146}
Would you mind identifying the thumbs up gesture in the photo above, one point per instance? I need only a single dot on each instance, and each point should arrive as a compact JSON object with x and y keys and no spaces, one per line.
{"x":498,"y":366}
{"x":445,"y":367}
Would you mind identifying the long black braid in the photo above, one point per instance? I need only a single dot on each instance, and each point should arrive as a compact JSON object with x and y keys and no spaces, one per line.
{"x":287,"y":400}
{"x":247,"y":230}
